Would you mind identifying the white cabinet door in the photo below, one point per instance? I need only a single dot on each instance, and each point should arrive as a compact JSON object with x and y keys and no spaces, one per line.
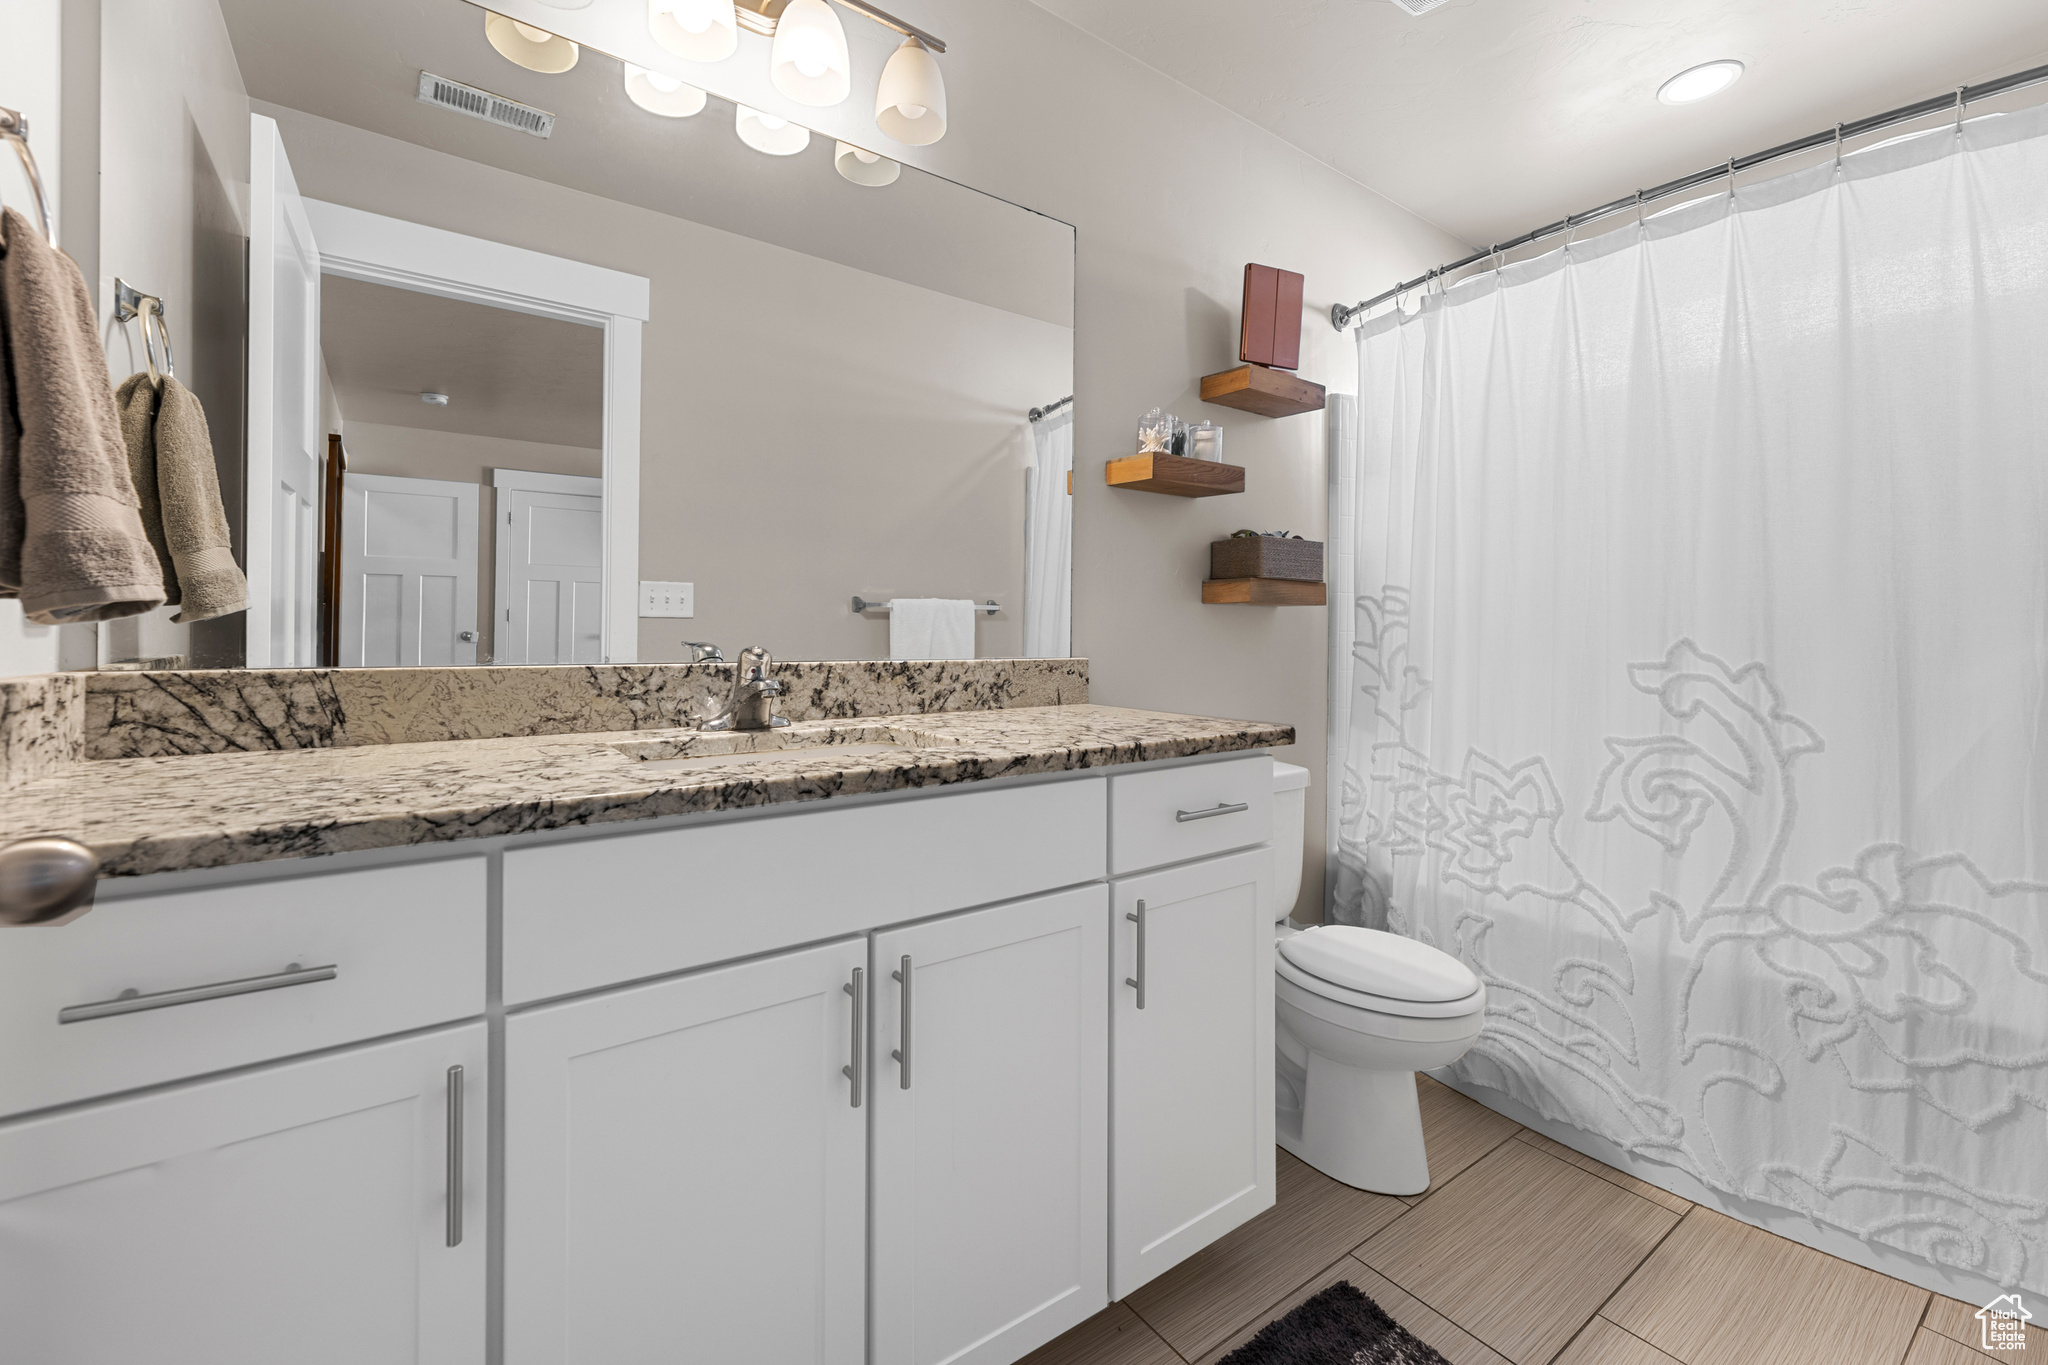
{"x":991,"y":1130}
{"x":298,"y":1212}
{"x":408,"y":572}
{"x":1192,"y":1099}
{"x":686,"y":1173}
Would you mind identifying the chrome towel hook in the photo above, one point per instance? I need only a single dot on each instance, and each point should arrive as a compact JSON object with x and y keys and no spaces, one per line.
{"x":130,"y":303}
{"x":46,"y":880}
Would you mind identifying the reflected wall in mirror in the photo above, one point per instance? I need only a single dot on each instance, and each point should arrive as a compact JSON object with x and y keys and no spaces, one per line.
{"x":468,"y":445}
{"x":837,"y":370}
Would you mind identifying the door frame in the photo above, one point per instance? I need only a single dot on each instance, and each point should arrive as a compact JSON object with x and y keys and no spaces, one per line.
{"x":531,"y":481}
{"x":371,"y":247}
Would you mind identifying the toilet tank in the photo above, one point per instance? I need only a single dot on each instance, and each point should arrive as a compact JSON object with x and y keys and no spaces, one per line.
{"x":1282,"y":882}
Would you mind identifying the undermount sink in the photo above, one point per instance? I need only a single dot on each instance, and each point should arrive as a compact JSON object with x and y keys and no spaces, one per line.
{"x":752,"y":746}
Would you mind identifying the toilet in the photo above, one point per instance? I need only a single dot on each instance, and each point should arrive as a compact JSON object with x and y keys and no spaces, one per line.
{"x":1360,"y":1011}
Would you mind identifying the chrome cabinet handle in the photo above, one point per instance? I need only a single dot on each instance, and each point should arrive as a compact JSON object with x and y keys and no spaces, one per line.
{"x":854,"y":1070}
{"x":134,"y":1002}
{"x":455,"y":1156}
{"x":1183,"y":816}
{"x":1137,"y":983}
{"x":43,"y":879}
{"x":902,"y":1054}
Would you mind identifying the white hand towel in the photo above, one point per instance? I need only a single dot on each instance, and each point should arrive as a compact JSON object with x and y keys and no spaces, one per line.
{"x":931,"y":628}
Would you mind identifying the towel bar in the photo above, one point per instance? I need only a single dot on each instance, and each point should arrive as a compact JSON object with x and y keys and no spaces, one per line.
{"x":862,"y":604}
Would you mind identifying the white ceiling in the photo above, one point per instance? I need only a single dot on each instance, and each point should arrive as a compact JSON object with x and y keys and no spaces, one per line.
{"x":1492,"y":117}
{"x":510,"y":375}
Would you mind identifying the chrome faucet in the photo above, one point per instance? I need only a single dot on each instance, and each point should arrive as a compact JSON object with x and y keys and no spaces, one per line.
{"x":703,"y":653}
{"x":751,"y":705}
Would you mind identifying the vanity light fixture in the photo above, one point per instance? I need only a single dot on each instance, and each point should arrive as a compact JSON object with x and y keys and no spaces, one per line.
{"x":536,"y":49}
{"x":660,"y":93}
{"x":910,"y":103}
{"x":1696,"y":83}
{"x":697,"y":30}
{"x":809,"y":61}
{"x":770,"y":134}
{"x":863,"y":167}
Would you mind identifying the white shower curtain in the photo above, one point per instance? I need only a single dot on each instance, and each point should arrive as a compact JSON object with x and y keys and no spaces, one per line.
{"x":1694,"y":684}
{"x":1049,"y":539}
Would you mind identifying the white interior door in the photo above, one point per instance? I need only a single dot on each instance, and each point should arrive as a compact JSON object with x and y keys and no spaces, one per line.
{"x":297,"y":1212}
{"x":285,"y":456}
{"x":550,"y":580}
{"x":686,"y":1174}
{"x":408,"y":572}
{"x":1192,"y":1108}
{"x":990,"y":1199}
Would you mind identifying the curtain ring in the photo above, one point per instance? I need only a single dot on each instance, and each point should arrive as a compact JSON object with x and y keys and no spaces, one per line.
{"x":1731,"y":178}
{"x":1959,"y":109}
{"x":1639,"y":208}
{"x":1838,"y":147}
{"x":1569,"y":228}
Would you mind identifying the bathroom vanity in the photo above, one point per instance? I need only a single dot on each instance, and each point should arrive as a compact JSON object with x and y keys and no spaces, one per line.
{"x":645,"y":1060}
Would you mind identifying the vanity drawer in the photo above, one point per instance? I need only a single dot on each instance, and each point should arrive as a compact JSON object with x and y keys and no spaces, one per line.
{"x":404,"y":946}
{"x":596,"y":912}
{"x":1173,"y":814}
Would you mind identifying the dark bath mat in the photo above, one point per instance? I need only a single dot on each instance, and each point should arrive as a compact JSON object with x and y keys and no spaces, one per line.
{"x":1339,"y":1326}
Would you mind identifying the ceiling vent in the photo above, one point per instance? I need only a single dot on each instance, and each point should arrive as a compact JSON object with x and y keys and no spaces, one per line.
{"x":1420,"y":6}
{"x":467,"y":99}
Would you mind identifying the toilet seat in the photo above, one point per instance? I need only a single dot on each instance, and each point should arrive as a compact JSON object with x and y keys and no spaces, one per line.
{"x":1373,"y":970}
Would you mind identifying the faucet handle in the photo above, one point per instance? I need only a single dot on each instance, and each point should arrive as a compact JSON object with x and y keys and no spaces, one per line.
{"x":772,"y":687}
{"x":704,"y":653}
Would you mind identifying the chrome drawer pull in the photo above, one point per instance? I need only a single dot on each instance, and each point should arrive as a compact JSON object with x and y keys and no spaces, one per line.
{"x":455,"y":1156}
{"x":1183,"y":816}
{"x":902,"y":1054}
{"x":133,"y":1002}
{"x":1137,"y":983}
{"x":856,"y":1071}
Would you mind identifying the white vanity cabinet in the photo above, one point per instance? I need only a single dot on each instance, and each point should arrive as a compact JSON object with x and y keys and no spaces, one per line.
{"x":685,"y":1170}
{"x":324,"y":1212}
{"x":856,"y":1083}
{"x":991,"y":1130}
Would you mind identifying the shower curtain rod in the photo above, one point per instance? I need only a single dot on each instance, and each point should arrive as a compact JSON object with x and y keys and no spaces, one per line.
{"x":1342,"y":317}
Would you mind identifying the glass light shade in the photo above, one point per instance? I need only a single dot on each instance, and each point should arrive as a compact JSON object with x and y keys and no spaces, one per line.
{"x":660,"y":93}
{"x":809,"y":62}
{"x":864,"y":167}
{"x":770,"y":134}
{"x":910,"y":103}
{"x":697,"y":30}
{"x":1699,"y":82}
{"x":533,"y":48}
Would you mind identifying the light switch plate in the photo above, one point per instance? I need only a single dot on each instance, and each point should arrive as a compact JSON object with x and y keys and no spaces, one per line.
{"x":668,"y":599}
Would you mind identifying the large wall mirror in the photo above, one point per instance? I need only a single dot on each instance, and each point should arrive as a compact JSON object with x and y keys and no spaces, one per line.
{"x":851,"y":380}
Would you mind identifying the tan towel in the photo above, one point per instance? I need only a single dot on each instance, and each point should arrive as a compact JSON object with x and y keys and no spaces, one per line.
{"x":72,"y":546}
{"x":170,"y":459}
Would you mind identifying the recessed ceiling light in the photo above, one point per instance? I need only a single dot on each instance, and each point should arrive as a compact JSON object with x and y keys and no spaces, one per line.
{"x":1699,"y":82}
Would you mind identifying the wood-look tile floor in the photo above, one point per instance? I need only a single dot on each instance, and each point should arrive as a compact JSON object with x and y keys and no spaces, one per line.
{"x":1524,"y":1252}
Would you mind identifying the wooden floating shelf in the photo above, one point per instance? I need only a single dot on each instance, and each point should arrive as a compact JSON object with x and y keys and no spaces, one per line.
{"x":1175,"y":474}
{"x":1267,"y":392}
{"x":1265,"y":592}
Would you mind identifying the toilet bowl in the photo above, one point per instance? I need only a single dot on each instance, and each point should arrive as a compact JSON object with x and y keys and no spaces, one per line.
{"x":1359,"y":1012}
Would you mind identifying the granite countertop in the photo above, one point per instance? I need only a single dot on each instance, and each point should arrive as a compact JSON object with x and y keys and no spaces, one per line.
{"x":163,"y":814}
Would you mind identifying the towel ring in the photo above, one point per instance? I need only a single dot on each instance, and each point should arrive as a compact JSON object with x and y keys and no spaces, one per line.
{"x":130,"y":303}
{"x":14,"y":129}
